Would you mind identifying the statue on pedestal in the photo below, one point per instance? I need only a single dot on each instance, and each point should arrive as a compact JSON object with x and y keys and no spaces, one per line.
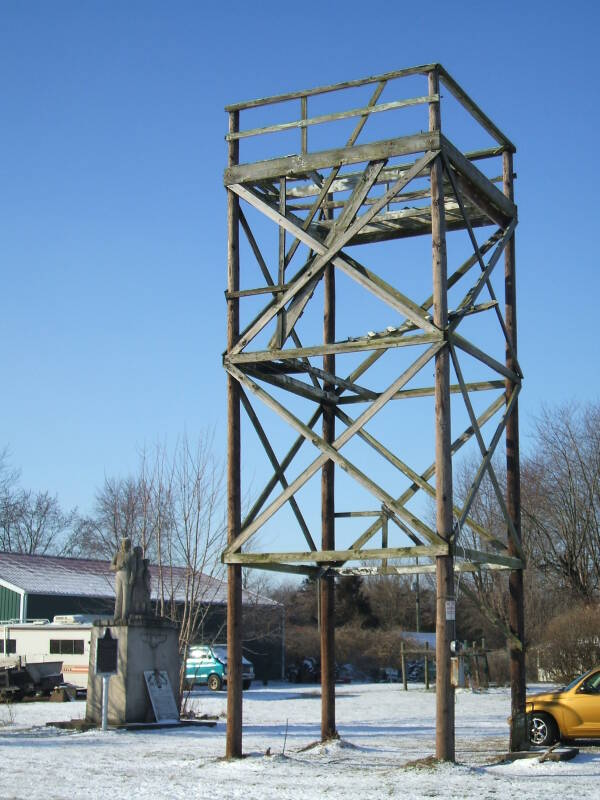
{"x":123,"y":565}
{"x":132,"y":582}
{"x":140,"y":584}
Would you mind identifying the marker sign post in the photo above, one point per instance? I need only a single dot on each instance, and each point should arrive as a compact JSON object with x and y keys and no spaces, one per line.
{"x":106,"y":665}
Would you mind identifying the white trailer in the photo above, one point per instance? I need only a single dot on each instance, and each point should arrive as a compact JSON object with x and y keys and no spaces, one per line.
{"x":66,"y":639}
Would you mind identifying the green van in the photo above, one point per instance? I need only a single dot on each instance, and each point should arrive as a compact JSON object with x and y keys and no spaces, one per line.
{"x":206,"y":664}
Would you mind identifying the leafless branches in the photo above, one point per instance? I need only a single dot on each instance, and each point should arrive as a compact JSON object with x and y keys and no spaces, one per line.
{"x":561,"y":501}
{"x":30,"y":522}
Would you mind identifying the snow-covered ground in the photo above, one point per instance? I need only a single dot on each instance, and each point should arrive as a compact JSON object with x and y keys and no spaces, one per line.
{"x":382,"y":728}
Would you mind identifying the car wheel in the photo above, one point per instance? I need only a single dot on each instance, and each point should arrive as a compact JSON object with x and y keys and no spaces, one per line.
{"x":542,"y":731}
{"x":247,"y":685}
{"x":214,"y":683}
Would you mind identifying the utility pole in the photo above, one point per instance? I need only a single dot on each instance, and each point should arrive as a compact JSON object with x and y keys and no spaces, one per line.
{"x":326,"y":583}
{"x":443,"y":463}
{"x":513,"y":481}
{"x":233,"y":744}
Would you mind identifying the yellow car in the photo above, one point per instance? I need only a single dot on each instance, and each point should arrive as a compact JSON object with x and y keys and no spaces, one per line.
{"x":569,"y":713}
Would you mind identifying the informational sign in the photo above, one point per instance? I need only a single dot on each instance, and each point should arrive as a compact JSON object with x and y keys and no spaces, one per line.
{"x":106,"y":654}
{"x":450,"y":609}
{"x":161,"y":695}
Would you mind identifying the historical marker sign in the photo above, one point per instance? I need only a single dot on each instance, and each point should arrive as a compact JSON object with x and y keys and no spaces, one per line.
{"x":106,"y":654}
{"x":161,"y":695}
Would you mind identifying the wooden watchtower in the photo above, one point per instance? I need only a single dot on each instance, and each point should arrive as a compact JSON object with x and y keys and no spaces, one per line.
{"x":327,"y":333}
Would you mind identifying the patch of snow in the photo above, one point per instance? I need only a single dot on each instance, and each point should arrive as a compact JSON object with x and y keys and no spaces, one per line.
{"x":382,"y":730}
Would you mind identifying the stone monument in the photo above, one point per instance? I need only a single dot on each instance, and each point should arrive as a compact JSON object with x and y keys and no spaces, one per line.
{"x":145,"y":644}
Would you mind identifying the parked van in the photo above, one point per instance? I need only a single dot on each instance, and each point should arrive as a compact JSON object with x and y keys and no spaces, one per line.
{"x":207,"y":665}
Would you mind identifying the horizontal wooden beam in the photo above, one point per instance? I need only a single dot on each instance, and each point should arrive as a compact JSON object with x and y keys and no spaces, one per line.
{"x":345,"y":183}
{"x":412,"y":569}
{"x":478,"y":557}
{"x":304,"y":164}
{"x":428,"y":391}
{"x":325,"y":556}
{"x":333,"y":87}
{"x":292,"y":569}
{"x":351,"y":346}
{"x":323,"y":118}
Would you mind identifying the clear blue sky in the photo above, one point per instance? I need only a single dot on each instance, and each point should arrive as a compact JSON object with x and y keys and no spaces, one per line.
{"x":112,"y":210}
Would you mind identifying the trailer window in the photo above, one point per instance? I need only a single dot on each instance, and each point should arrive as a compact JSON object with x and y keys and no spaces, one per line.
{"x":11,"y":645}
{"x":66,"y":647}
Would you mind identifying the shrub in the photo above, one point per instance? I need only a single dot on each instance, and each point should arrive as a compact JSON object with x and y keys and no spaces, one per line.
{"x":571,"y":644}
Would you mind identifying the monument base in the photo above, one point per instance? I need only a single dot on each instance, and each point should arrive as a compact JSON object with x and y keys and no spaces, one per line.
{"x":144,"y":644}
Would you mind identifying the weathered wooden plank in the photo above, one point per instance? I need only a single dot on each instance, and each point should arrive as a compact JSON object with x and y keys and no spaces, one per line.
{"x":351,"y":346}
{"x":304,"y":116}
{"x":279,"y":340}
{"x":324,"y":118}
{"x":325,"y":556}
{"x":306,"y":366}
{"x":297,"y":165}
{"x":479,"y":180}
{"x":346,"y":182}
{"x":410,"y":569}
{"x":410,"y":394}
{"x":477,"y":557}
{"x":486,"y":359}
{"x":348,"y":514}
{"x":292,"y":569}
{"x":334,"y":87}
{"x":394,"y":225}
{"x":274,"y":289}
{"x":300,"y":388}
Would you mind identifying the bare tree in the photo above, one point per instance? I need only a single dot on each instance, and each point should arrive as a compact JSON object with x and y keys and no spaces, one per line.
{"x":41,"y":526}
{"x":30,"y":522}
{"x":9,"y":502}
{"x":561,"y":499}
{"x":173,"y":508}
{"x":188,"y":492}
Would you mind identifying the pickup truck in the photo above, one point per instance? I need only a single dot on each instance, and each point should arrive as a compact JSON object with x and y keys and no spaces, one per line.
{"x":206,"y":664}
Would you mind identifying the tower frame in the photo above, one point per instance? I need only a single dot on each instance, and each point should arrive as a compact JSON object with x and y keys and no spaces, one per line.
{"x":330,"y":199}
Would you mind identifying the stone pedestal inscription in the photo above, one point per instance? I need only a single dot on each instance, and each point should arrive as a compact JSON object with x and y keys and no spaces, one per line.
{"x":161,"y":696}
{"x":145,"y":644}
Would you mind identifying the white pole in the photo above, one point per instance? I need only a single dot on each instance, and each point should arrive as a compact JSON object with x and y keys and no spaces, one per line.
{"x":283,"y":643}
{"x":105,"y":680}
